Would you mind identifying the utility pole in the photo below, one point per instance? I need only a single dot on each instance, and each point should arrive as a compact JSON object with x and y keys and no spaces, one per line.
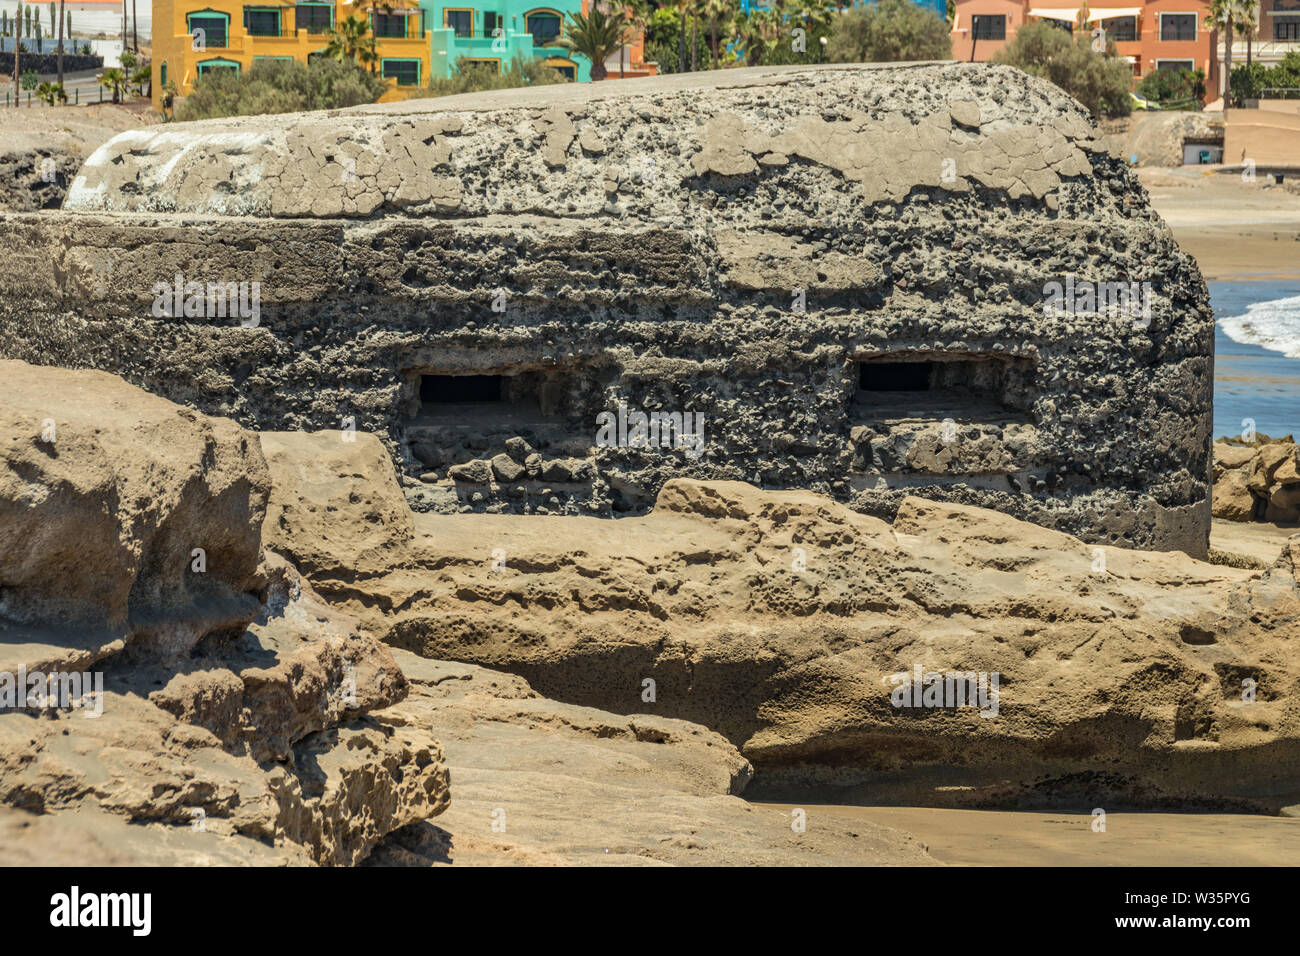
{"x":61,"y":19}
{"x":18,"y":19}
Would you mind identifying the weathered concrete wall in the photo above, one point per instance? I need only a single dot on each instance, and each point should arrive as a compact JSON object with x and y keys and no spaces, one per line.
{"x":731,"y":245}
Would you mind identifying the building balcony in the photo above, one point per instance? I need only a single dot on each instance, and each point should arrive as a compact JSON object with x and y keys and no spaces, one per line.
{"x":1259,"y":49}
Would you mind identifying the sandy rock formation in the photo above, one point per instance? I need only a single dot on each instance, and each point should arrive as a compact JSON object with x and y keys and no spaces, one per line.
{"x":541,"y":782}
{"x":778,"y":619}
{"x":1260,"y":480}
{"x":111,"y":500}
{"x":226,"y":713}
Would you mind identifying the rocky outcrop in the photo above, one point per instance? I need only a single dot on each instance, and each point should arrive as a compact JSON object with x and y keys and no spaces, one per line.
{"x":124,"y":519}
{"x":43,"y":147}
{"x":164,"y":683}
{"x":545,"y":783}
{"x":1259,"y":480}
{"x":782,"y":620}
{"x":752,"y":252}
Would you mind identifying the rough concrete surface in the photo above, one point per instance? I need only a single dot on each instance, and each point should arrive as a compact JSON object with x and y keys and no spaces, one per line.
{"x":43,"y":147}
{"x":747,"y":248}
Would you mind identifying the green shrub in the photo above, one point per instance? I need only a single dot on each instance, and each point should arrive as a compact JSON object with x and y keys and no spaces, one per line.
{"x":1247,"y":81}
{"x":280,"y":86}
{"x":1250,"y":82}
{"x":473,"y":77}
{"x":889,"y":31}
{"x":1099,"y":81}
{"x":1174,"y":89}
{"x":663,"y":41}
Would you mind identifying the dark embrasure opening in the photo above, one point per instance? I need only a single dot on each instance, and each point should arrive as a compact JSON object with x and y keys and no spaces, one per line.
{"x":895,"y":376}
{"x":459,"y":389}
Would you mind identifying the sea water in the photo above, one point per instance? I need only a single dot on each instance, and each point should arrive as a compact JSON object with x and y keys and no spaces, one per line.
{"x":1257,"y":356}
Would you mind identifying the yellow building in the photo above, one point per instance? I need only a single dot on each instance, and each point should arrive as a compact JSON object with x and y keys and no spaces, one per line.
{"x":192,"y":37}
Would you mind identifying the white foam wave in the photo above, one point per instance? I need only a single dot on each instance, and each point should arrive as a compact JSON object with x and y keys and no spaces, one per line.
{"x":1273,"y":324}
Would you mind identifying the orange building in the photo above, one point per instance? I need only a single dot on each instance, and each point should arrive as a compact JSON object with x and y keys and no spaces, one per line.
{"x":628,"y":62}
{"x":1155,"y":35}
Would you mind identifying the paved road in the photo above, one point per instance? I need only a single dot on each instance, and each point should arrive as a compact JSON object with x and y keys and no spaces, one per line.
{"x":82,"y":87}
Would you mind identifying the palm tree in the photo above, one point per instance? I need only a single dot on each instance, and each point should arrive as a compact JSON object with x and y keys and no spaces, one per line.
{"x":375,"y":7}
{"x":1248,"y":22}
{"x":695,"y":35}
{"x":351,"y":40}
{"x":18,"y":21}
{"x":715,"y":12}
{"x":595,"y":36}
{"x":141,"y":78}
{"x":51,"y":93}
{"x":640,"y":11}
{"x":62,"y":16}
{"x":114,"y":80}
{"x":1222,"y":14}
{"x":681,"y":40}
{"x":754,"y":34}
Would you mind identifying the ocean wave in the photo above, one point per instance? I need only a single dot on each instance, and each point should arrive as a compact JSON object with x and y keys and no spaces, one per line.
{"x":1273,"y":324}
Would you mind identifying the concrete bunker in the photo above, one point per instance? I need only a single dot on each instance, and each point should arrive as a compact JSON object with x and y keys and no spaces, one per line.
{"x":840,"y":271}
{"x":945,"y":417}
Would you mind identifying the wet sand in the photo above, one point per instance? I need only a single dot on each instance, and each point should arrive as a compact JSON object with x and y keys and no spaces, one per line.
{"x":1013,"y":838}
{"x":1258,"y":540}
{"x":1234,"y":229}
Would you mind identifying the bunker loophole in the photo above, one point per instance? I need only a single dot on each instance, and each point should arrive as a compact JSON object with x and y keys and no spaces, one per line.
{"x":457,"y":389}
{"x":909,"y":400}
{"x":895,"y":376}
{"x":929,"y":385}
{"x":456,"y":416}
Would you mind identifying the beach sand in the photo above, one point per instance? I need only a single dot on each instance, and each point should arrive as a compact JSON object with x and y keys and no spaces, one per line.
{"x":1235,"y":230}
{"x":1013,"y":838}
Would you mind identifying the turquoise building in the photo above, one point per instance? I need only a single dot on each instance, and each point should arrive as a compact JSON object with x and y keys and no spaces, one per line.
{"x":495,"y":31}
{"x":938,"y":7}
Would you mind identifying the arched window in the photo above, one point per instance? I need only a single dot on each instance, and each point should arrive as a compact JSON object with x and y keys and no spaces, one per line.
{"x":544,"y":25}
{"x":204,"y":67}
{"x":564,"y":66}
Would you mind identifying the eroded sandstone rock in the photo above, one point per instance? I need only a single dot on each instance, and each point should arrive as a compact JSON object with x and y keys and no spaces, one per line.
{"x":545,"y":783}
{"x":1259,"y":480}
{"x":123,"y":517}
{"x":779,"y":619}
{"x":226,"y":711}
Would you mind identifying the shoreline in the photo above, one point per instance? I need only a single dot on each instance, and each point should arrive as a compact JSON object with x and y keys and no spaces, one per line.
{"x":1243,"y":253}
{"x":1236,"y":231}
